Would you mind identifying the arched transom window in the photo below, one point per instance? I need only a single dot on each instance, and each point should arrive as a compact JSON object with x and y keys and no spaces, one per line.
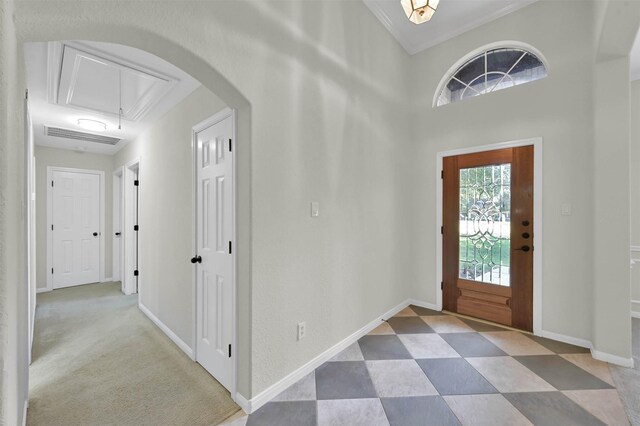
{"x":491,"y":70}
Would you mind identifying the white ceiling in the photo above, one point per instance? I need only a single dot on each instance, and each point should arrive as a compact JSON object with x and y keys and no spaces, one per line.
{"x":68,"y":81}
{"x":452,"y":18}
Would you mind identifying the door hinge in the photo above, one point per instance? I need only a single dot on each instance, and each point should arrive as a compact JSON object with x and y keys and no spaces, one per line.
{"x":26,"y":94}
{"x":136,"y":228}
{"x":442,"y":229}
{"x":441,"y":285}
{"x":52,"y":227}
{"x":135,"y":273}
{"x":52,"y":184}
{"x":229,"y":350}
{"x":136,"y":182}
{"x":230,"y":149}
{"x":52,"y":270}
{"x":230,"y":247}
{"x":441,"y":174}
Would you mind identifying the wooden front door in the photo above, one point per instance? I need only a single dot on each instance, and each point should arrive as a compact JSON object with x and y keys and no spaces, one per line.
{"x":488,"y":235}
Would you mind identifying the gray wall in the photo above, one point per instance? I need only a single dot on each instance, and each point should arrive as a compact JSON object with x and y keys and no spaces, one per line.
{"x":46,"y":157}
{"x":165,"y":210}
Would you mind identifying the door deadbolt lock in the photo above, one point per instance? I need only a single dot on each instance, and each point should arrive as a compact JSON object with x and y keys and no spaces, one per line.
{"x":525,"y":235}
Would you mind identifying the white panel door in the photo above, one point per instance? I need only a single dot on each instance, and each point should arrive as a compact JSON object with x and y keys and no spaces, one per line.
{"x":214,"y":244}
{"x":76,"y":228}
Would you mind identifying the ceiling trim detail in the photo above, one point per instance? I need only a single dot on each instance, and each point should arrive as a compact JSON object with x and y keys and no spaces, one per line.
{"x":413,"y":46}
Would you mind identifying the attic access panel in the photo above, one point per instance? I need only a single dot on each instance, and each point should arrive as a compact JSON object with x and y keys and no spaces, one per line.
{"x":92,"y":82}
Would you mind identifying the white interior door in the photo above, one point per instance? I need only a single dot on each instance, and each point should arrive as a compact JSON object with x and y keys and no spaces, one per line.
{"x":214,"y":298}
{"x":117,"y":226}
{"x":76,"y":228}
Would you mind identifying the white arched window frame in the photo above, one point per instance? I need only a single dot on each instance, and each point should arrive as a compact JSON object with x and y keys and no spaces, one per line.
{"x":504,"y":76}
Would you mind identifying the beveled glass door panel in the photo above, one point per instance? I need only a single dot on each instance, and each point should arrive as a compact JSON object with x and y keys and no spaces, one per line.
{"x":485,"y":225}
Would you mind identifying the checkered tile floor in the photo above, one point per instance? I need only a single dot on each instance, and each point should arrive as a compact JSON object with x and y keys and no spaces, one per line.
{"x":423,"y":367}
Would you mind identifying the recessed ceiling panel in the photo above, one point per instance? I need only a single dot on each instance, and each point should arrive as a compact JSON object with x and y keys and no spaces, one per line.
{"x":94,"y":83}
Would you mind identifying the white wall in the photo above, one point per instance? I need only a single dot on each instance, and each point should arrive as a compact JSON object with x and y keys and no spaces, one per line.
{"x":634,"y":169}
{"x":46,"y":157}
{"x":165,"y":210}
{"x":14,"y":303}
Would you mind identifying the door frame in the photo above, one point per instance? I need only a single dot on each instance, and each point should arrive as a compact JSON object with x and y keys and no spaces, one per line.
{"x":537,"y":214}
{"x":129,"y":170}
{"x":216,"y":118}
{"x":101,"y":256}
{"x":117,"y":212}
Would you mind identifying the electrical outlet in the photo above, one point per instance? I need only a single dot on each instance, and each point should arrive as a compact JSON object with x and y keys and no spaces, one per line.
{"x":302,"y":330}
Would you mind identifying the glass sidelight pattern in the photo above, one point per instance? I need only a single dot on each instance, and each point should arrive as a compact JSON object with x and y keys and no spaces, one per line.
{"x":485,"y":224}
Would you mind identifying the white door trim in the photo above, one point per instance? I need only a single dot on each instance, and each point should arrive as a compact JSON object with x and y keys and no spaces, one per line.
{"x":537,"y":214}
{"x":128,"y":283}
{"x":50,"y":171}
{"x":118,"y":211}
{"x":225,"y":113}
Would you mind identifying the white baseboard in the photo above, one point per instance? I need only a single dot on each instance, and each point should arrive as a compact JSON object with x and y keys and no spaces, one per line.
{"x":179,"y":342}
{"x":242,"y":402}
{"x":274,"y":390}
{"x":583,"y":343}
{"x":422,"y":304}
{"x":612,"y":359}
{"x":107,"y":280}
{"x":635,"y":308}
{"x":42,"y":289}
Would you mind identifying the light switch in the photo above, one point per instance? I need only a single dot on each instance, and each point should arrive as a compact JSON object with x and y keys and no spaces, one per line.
{"x":565,"y":209}
{"x":315,"y":209}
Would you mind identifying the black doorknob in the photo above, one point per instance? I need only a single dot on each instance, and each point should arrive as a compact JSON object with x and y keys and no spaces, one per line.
{"x":197,"y":259}
{"x":525,"y":235}
{"x":95,"y":234}
{"x":525,"y":223}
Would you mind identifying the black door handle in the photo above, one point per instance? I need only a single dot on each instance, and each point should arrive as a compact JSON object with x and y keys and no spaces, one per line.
{"x":524,"y":248}
{"x":95,"y":234}
{"x":117,"y":234}
{"x":197,"y":259}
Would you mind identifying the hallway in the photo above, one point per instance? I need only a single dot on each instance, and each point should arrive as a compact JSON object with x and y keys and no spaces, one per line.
{"x":98,"y":360}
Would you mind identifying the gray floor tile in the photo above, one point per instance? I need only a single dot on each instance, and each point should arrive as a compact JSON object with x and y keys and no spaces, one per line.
{"x":419,"y":411}
{"x":344,"y":380}
{"x":558,"y":347}
{"x":352,"y":412}
{"x":551,"y":408}
{"x":560,"y":373}
{"x":424,"y":311}
{"x":409,"y":325}
{"x":481,"y":326}
{"x":471,"y":344}
{"x":303,"y":390}
{"x":383,"y":347}
{"x":286,"y":413}
{"x":455,"y":376}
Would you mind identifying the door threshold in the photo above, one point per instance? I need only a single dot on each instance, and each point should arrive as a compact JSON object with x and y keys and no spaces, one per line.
{"x":495,"y":324}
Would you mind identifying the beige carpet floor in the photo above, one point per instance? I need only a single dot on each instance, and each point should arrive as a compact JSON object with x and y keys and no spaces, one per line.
{"x":98,"y":360}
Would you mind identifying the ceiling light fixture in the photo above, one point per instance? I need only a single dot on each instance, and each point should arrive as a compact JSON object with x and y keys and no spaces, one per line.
{"x":95,"y":125}
{"x":419,"y":11}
